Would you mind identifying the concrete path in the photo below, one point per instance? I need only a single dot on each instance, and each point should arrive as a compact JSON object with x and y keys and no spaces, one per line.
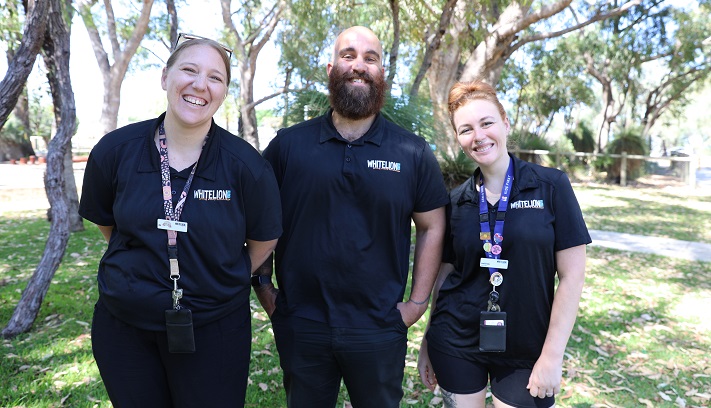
{"x":675,"y":248}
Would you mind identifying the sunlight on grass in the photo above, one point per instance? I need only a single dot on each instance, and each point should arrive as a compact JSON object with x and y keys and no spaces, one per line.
{"x":642,"y":337}
{"x":651,"y":212}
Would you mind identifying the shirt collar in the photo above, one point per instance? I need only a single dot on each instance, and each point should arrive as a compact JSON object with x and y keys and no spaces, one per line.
{"x":374,"y":135}
{"x":524,"y":178}
{"x":207,"y":166}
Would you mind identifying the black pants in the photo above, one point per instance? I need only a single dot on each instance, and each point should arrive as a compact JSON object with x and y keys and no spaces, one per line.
{"x":138,"y":370}
{"x":315,"y":357}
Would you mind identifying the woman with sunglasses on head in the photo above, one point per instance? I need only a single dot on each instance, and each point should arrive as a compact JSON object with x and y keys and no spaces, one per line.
{"x":189,"y":211}
{"x":514,"y":227}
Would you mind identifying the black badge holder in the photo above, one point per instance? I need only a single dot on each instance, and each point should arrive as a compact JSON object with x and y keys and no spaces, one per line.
{"x":179,"y":329}
{"x":492,"y":332}
{"x":178,"y":320}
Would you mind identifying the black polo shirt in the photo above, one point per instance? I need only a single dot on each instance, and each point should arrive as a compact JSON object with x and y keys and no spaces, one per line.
{"x":233,"y":197}
{"x":543,"y":217}
{"x":347,"y":206}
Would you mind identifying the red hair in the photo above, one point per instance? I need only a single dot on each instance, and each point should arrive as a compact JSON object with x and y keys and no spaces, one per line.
{"x":464,"y":92}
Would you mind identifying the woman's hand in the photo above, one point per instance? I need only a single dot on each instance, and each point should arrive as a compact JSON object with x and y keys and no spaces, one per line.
{"x":425,"y":368}
{"x":545,"y":377}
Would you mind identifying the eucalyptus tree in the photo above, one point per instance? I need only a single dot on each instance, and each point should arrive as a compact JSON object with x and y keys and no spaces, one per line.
{"x":56,"y":57}
{"x":251,"y":25}
{"x":24,"y":58}
{"x":545,"y":81}
{"x":685,"y":65}
{"x":484,"y":34}
{"x":11,"y":34}
{"x":614,"y":52}
{"x":124,"y":36}
{"x":645,"y":61}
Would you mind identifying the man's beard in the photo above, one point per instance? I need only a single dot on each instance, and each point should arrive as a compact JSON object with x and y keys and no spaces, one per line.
{"x":352,"y":102}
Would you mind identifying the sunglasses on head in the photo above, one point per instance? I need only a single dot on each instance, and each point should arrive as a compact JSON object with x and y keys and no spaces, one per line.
{"x":183,"y":37}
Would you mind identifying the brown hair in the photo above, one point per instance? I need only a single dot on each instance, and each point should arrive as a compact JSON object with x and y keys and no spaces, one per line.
{"x":202,"y":41}
{"x":464,"y":92}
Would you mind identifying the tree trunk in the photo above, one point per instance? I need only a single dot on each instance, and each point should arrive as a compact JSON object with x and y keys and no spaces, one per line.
{"x":112,"y":101}
{"x":433,"y":42}
{"x":76,"y":222}
{"x":394,"y":48}
{"x":56,"y":47}
{"x":113,"y":75}
{"x":21,"y":66}
{"x":246,"y":51}
{"x":173,"y":15}
{"x":443,"y":73}
{"x":61,"y":89}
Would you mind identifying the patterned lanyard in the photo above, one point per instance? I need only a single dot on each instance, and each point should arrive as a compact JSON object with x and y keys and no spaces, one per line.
{"x":170,"y":213}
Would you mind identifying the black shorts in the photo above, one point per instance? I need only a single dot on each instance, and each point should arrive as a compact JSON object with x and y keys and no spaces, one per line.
{"x":508,"y":384}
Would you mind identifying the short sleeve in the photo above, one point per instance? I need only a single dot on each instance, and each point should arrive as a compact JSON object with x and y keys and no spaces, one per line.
{"x":431,"y":192}
{"x":98,"y":193}
{"x":263,"y":207}
{"x":570,"y":228}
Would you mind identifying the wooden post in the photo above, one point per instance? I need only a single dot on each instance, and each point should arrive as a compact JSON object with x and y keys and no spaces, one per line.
{"x":693,"y":165}
{"x":623,"y":170}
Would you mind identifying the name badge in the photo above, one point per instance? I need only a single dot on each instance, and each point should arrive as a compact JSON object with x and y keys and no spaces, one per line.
{"x":494,"y":263}
{"x":172,"y":225}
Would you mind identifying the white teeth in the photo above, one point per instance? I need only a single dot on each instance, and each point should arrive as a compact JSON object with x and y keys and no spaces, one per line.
{"x":483,"y":149}
{"x":358,"y":81}
{"x":194,"y":101}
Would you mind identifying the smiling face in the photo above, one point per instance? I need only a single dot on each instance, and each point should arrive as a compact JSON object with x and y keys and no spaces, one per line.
{"x":356,"y":74}
{"x":482,"y":132}
{"x":196,"y":85}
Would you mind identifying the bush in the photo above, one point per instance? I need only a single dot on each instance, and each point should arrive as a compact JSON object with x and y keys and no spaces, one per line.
{"x":631,"y":142}
{"x":456,"y":170}
{"x":528,"y":141}
{"x":582,"y":138}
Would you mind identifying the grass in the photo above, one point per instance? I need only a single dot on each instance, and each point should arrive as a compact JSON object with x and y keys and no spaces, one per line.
{"x":667,"y":213}
{"x":641,"y":339}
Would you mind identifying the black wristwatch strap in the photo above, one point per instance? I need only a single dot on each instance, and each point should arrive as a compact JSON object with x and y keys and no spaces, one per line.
{"x":259,"y":280}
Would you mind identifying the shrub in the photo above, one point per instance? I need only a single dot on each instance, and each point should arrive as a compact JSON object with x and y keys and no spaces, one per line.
{"x":631,"y":142}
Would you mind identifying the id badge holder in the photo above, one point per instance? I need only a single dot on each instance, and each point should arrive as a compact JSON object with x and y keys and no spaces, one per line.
{"x":492,"y":332}
{"x":179,"y":330}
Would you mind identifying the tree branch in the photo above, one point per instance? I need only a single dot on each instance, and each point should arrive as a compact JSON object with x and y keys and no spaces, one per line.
{"x":597,"y":17}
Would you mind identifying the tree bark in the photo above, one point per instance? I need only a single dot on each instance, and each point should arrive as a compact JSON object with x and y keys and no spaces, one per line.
{"x":19,"y":69}
{"x":394,"y":48}
{"x":246,"y":50}
{"x":113,"y":75}
{"x":433,"y":41}
{"x":442,"y":74}
{"x":56,"y":47}
{"x":173,"y":14}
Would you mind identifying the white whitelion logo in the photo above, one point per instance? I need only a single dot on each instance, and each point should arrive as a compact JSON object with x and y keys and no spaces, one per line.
{"x":384,"y":165}
{"x":537,"y":204}
{"x":213,"y":195}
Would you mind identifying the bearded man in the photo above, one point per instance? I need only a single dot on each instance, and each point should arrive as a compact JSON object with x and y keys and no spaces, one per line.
{"x":351,"y":184}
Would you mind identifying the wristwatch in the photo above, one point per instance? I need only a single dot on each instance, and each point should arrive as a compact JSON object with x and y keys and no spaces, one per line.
{"x":259,"y":280}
